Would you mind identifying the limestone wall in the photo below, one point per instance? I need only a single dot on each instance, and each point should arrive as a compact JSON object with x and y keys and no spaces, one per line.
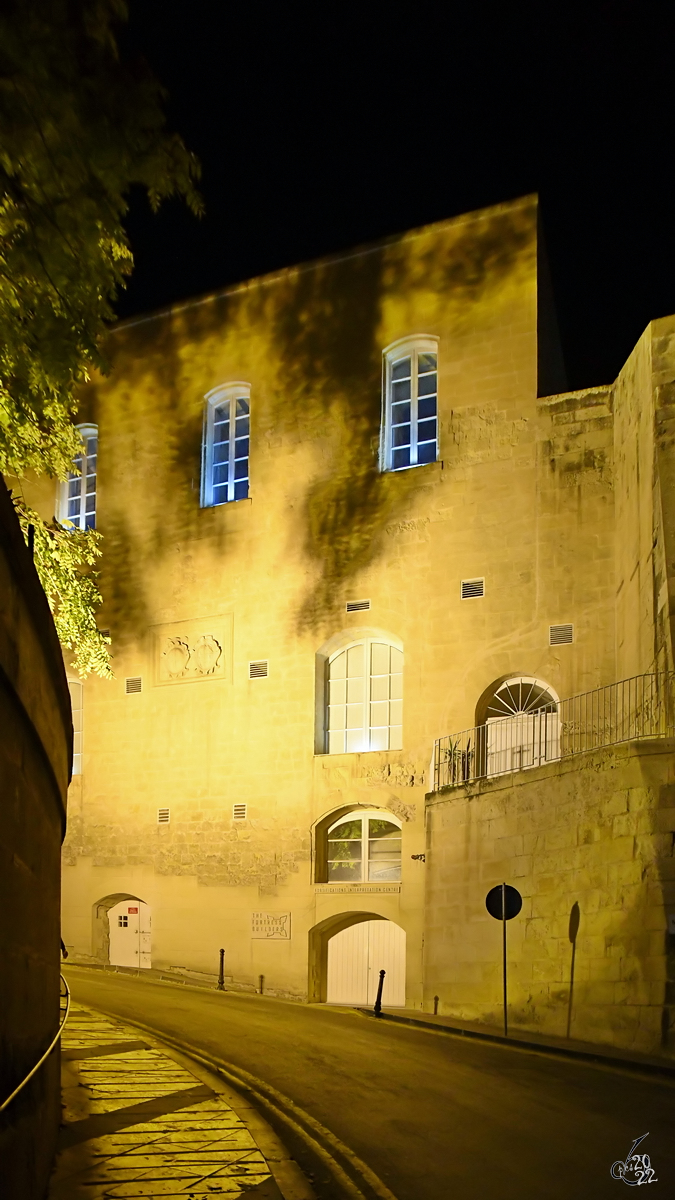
{"x":35,"y":757}
{"x":523,"y":495}
{"x":596,"y":830}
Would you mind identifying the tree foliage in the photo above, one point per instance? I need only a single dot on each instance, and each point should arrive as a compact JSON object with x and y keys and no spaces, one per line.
{"x":79,"y":127}
{"x":64,"y":559}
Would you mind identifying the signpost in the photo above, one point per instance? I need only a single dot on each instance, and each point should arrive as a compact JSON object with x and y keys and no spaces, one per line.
{"x":504,"y":902}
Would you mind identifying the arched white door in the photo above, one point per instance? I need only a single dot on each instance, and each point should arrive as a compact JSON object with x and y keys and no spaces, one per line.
{"x":355,"y":958}
{"x":130,"y":937}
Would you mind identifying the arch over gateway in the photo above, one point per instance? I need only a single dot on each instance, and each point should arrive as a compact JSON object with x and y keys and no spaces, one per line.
{"x":346,"y":953}
{"x":319,"y":937}
{"x":101,"y":928}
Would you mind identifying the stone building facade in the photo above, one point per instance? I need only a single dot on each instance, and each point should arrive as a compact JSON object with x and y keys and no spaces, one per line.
{"x":327,"y":489}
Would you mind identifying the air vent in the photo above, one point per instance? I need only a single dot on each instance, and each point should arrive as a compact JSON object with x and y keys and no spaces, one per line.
{"x":163,"y":816}
{"x":133,"y":686}
{"x":258,"y":670}
{"x":472,"y":588}
{"x":560,"y":635}
{"x":238,"y":812}
{"x":358,"y":605}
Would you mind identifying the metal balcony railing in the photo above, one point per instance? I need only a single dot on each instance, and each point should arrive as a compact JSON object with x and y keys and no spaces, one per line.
{"x":641,"y":707}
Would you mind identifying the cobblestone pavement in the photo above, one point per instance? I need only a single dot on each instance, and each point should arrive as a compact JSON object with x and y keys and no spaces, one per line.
{"x":136,"y":1122}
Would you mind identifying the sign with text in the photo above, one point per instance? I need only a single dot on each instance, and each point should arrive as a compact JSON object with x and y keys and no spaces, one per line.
{"x":272,"y":927}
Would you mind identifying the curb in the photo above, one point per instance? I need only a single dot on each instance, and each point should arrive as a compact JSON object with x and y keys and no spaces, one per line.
{"x":598,"y":1057}
{"x":287,"y":1119}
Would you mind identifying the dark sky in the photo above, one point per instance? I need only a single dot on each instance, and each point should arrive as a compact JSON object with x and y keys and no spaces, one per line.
{"x":327,"y":125}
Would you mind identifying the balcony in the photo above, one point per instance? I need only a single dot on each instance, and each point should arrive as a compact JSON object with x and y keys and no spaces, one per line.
{"x":640,"y":707}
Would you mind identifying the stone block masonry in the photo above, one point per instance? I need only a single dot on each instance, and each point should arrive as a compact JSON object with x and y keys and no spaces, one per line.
{"x":137,"y":1123}
{"x":601,"y":835}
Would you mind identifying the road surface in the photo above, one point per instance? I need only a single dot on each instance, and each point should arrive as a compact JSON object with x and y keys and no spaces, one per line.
{"x":436,"y":1117}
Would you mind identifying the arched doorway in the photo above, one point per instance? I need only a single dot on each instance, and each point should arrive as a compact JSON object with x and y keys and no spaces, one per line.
{"x":380,"y":952}
{"x":356,"y":956}
{"x":122,"y":931}
{"x":522,"y":726}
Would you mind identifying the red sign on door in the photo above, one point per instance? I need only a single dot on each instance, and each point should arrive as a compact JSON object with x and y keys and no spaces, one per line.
{"x":132,"y":910}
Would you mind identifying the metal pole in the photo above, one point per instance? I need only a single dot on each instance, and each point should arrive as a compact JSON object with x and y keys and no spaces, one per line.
{"x":221,"y":976}
{"x":506,"y":1027}
{"x":378,"y":1003}
{"x":261,"y":981}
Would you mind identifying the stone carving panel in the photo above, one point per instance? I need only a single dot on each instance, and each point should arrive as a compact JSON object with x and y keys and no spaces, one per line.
{"x":189,"y":651}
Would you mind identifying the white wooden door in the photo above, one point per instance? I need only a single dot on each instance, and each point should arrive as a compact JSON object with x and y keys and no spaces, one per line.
{"x":130,"y":934}
{"x":355,"y":958}
{"x":524,"y":740}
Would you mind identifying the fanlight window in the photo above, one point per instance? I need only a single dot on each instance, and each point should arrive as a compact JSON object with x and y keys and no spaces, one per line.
{"x":364,"y":709}
{"x":523,"y":727}
{"x":364,"y":847}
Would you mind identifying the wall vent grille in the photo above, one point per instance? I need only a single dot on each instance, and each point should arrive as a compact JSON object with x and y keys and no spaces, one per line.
{"x":163,"y":816}
{"x":472,"y":588}
{"x":560,"y":635}
{"x":259,"y":669}
{"x":133,"y":685}
{"x":358,"y":605}
{"x":239,"y":812}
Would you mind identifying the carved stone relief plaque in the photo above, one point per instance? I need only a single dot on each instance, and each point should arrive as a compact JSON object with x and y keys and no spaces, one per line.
{"x":189,"y":651}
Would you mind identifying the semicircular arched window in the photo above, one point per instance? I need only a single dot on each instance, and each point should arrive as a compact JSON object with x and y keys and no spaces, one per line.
{"x":364,"y":698}
{"x":522,"y":725}
{"x":364,"y":847}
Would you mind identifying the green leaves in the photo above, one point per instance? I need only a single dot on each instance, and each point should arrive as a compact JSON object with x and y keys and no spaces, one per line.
{"x":63,"y":559}
{"x":79,"y":126}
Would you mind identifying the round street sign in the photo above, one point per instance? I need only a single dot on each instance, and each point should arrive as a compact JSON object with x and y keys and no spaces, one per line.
{"x":493,"y":902}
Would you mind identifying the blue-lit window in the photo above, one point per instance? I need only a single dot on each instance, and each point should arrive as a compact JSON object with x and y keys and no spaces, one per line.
{"x":225,"y":473}
{"x":411,"y":404}
{"x":77,"y":496}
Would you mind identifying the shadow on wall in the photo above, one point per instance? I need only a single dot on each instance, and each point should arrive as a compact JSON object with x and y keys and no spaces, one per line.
{"x":312,"y":340}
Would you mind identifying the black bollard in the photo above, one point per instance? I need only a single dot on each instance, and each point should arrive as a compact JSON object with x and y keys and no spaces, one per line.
{"x":221,"y":976}
{"x":261,"y":981}
{"x":378,"y":1003}
{"x":436,"y":999}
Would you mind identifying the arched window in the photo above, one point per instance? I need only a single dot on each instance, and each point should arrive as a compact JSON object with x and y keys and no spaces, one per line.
{"x":76,"y":500}
{"x":410,"y":403}
{"x":522,"y":725}
{"x":225,"y":451}
{"x":364,"y":846}
{"x":364,"y":698}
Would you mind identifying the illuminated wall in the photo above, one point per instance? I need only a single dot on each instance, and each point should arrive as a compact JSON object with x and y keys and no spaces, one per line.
{"x":521,"y":495}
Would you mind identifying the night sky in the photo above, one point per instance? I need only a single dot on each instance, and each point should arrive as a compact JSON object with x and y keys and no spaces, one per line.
{"x":323,"y":126}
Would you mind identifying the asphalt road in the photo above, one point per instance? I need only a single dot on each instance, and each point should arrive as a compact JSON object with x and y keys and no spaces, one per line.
{"x":436,"y":1117}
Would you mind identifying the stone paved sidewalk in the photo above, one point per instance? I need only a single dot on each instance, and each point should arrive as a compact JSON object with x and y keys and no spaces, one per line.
{"x":137,"y":1122}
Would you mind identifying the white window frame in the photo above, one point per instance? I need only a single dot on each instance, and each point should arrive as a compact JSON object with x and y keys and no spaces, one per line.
{"x":224,"y":393}
{"x":364,"y":816}
{"x":406,"y":347}
{"x":367,"y":726}
{"x":62,"y":496}
{"x":76,"y":689}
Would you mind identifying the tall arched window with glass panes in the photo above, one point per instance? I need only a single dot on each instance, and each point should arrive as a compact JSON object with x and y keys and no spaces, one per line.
{"x":225,"y":470}
{"x":76,"y":504}
{"x":410,"y":425}
{"x":364,"y":697}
